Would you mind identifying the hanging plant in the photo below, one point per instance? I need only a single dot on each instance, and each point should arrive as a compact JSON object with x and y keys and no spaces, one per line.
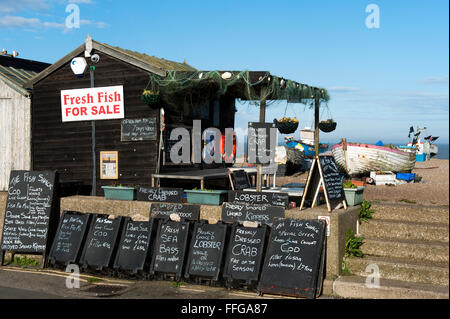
{"x":327,"y":126}
{"x":150,"y":97}
{"x":286,"y":125}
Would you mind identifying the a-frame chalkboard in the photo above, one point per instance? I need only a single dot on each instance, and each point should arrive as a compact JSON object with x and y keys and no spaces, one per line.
{"x":245,"y":253}
{"x":206,"y":250}
{"x":324,"y":173}
{"x":69,"y":238}
{"x":294,"y":261}
{"x":169,"y":254}
{"x":32,"y":213}
{"x":101,"y":242}
{"x":135,"y":245}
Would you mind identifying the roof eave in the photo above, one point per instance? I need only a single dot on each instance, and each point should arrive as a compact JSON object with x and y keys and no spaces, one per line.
{"x":99,"y":47}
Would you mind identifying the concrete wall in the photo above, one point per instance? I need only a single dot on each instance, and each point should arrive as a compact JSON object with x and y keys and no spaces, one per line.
{"x":340,"y":220}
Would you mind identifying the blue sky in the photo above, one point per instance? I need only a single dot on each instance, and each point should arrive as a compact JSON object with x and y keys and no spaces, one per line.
{"x":381,"y":81}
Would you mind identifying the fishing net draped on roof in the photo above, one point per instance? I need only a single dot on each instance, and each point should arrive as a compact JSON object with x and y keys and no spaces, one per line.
{"x":246,"y":85}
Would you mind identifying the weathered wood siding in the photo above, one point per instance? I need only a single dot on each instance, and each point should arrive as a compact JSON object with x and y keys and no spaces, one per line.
{"x":14,"y":133}
{"x":66,"y":147}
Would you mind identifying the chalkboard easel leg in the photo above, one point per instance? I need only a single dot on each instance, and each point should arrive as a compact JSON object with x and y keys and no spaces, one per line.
{"x":2,"y":257}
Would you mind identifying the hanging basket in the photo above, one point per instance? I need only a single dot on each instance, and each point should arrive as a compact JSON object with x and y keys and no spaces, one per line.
{"x":327,"y":127}
{"x":286,"y":127}
{"x":150,"y":97}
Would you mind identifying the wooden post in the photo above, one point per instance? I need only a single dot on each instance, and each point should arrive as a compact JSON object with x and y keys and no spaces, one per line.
{"x":316,"y":125}
{"x":262,"y":119}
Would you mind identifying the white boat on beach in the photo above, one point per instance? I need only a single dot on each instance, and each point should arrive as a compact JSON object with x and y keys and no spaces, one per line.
{"x":358,"y":158}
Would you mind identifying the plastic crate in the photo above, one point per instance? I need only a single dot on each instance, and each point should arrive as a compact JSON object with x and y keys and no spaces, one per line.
{"x":421,"y":157}
{"x":406,"y":176}
{"x":386,"y":177}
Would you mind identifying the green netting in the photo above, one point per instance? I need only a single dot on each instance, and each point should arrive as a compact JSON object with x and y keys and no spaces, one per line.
{"x":215,"y":84}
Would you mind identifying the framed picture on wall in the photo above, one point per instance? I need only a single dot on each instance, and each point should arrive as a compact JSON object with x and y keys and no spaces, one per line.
{"x":109,"y":165}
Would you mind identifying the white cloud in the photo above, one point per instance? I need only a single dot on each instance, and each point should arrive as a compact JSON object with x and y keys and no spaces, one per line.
{"x":81,"y":1}
{"x":436,"y":80}
{"x":22,"y":22}
{"x":343,"y":89}
{"x":9,"y":6}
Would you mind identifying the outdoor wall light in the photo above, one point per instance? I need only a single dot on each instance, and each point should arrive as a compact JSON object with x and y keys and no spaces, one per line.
{"x":78,"y":66}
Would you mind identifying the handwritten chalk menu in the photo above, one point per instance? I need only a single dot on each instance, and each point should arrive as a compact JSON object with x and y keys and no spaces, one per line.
{"x":170,"y":248}
{"x":164,"y":210}
{"x":240,"y":180}
{"x":332,"y":178}
{"x":30,"y":211}
{"x":261,"y":198}
{"x":245,"y":253}
{"x":134,"y":245}
{"x":264,"y":214}
{"x":260,"y":148}
{"x":206,"y":250}
{"x":142,"y":129}
{"x":101,"y":242}
{"x":293,"y":258}
{"x":69,"y":238}
{"x":159,"y":194}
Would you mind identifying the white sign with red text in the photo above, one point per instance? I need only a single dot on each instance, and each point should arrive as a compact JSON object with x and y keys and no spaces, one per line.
{"x":91,"y":104}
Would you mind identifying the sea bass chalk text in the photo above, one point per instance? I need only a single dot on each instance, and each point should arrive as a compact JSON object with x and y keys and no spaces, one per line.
{"x":102,"y":103}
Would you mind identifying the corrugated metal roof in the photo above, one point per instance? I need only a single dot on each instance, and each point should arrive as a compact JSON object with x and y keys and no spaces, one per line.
{"x":15,"y":72}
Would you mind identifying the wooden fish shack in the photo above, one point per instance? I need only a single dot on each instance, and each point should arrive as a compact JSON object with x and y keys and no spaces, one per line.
{"x":15,"y":116}
{"x":129,"y":148}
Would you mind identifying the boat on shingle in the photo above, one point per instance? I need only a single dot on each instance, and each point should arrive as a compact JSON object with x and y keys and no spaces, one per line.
{"x":359,"y":158}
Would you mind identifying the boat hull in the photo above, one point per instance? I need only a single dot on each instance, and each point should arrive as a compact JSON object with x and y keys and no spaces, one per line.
{"x":363,"y":158}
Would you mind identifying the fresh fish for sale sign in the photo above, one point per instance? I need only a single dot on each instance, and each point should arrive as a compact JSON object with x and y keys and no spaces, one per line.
{"x":91,"y":104}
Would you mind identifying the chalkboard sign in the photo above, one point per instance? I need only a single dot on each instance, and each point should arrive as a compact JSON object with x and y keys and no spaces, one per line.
{"x":264,"y":214}
{"x":259,"y":142}
{"x":134,"y":245}
{"x":31,"y":213}
{"x":292,"y":264}
{"x":332,"y":178}
{"x":101,"y":242}
{"x":245,"y":253}
{"x":262,"y":198}
{"x":164,"y":210}
{"x":170,"y":248}
{"x":324,"y":172}
{"x":69,"y":238}
{"x":159,"y":194}
{"x":240,"y":179}
{"x":206,"y":250}
{"x":142,"y":129}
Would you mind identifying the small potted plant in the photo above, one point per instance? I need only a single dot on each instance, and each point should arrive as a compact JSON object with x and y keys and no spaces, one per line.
{"x":206,"y":196}
{"x":150,"y":97}
{"x":327,"y":126}
{"x":119,"y":192}
{"x":353,"y":193}
{"x":286,"y":125}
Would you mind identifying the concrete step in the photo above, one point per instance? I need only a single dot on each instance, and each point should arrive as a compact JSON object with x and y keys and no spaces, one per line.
{"x":412,"y":213}
{"x":433,"y":251}
{"x":401,"y":269}
{"x":355,"y":287}
{"x":385,"y":228}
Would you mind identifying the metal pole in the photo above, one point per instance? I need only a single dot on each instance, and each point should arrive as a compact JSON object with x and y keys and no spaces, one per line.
{"x":94,"y":161}
{"x":262,"y":119}
{"x":316,"y":125}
